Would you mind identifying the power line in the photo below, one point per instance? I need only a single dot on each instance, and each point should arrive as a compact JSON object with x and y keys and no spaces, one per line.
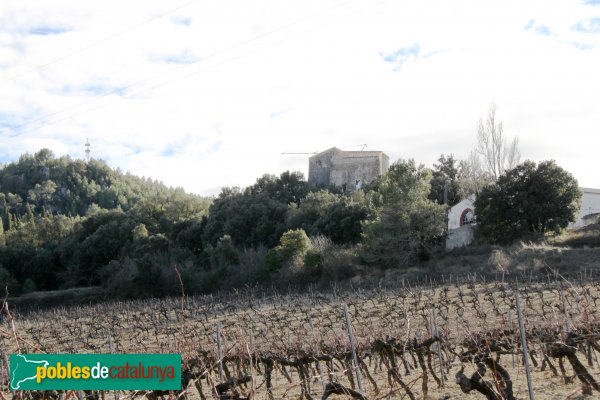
{"x":149,"y":89}
{"x":180,"y":67}
{"x":106,"y":39}
{"x":209,"y":56}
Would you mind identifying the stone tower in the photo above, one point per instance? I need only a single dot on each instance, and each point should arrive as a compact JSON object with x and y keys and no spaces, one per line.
{"x":347,"y":169}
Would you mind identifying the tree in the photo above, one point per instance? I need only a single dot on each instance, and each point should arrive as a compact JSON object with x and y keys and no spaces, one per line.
{"x":224,"y":254}
{"x":249,"y":219}
{"x":2,"y":238}
{"x":444,"y":182}
{"x":527,"y":200}
{"x":408,"y":225}
{"x":139,"y":232}
{"x":336,"y":216}
{"x":472,"y":177}
{"x":294,"y":244}
{"x":41,"y":194}
{"x":290,"y":187}
{"x":491,"y":146}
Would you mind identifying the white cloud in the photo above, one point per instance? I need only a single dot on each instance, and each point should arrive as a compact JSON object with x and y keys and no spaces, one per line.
{"x":220,"y":107}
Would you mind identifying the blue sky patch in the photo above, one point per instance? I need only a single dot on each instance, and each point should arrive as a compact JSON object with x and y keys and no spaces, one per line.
{"x":170,"y":151}
{"x":183,"y":57}
{"x":176,"y":148}
{"x":279,"y":112}
{"x":591,"y":25}
{"x":215,"y":147}
{"x":11,"y":124}
{"x":543,"y":30}
{"x":94,"y":89}
{"x":582,"y":46}
{"x":539,"y":29}
{"x":6,"y":158}
{"x":402,"y":55}
{"x":181,"y":20}
{"x":529,"y":24}
{"x":48,"y":30}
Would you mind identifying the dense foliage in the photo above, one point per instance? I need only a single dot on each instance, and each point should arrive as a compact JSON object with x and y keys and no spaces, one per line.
{"x":68,"y":223}
{"x":445,"y":187}
{"x":64,"y":220}
{"x":408,"y":225}
{"x":527,"y":200}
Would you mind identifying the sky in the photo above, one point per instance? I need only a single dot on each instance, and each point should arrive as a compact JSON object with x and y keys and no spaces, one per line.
{"x":207,"y":94}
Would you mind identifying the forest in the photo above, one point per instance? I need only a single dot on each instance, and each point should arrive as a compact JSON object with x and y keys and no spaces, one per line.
{"x":69,"y":223}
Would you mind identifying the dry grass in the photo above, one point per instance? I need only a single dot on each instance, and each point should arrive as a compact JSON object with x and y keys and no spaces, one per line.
{"x":277,"y":326}
{"x":588,"y":236}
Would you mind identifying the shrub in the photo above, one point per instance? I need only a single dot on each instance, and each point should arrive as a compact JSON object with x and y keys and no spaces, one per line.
{"x":274,"y":259}
{"x":313,"y":260}
{"x":224,"y":254}
{"x":294,"y":244}
{"x":29,"y":286}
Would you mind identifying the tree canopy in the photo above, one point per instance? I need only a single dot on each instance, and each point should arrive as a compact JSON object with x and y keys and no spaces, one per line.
{"x":67,"y":223}
{"x":407,"y":224}
{"x":527,"y":200}
{"x":445,"y":187}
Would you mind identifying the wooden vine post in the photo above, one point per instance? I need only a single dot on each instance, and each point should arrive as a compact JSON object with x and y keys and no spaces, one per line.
{"x":2,"y":355}
{"x":437,"y":346}
{"x":317,"y":351}
{"x":219,"y":352}
{"x":524,"y":343}
{"x":353,"y":348}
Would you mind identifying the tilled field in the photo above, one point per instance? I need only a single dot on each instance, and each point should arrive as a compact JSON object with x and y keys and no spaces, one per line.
{"x":410,"y":342}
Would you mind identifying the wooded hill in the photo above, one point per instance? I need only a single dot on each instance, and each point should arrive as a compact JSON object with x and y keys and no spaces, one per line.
{"x":69,"y":223}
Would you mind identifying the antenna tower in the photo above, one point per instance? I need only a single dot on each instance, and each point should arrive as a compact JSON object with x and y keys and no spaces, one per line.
{"x":87,"y":149}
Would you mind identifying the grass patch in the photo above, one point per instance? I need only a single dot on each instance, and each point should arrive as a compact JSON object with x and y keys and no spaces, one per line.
{"x":588,"y":236}
{"x":54,"y":298}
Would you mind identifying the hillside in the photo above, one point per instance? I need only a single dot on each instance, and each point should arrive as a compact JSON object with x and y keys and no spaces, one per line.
{"x":64,"y":219}
{"x":69,"y":224}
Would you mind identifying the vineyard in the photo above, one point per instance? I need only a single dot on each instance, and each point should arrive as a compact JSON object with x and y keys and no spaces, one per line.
{"x":426,"y":341}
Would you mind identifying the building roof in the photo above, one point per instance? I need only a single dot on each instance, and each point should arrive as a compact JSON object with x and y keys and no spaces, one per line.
{"x":589,"y":190}
{"x":351,"y":154}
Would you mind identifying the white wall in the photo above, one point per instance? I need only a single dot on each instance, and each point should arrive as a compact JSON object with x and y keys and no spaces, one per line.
{"x":590,"y":204}
{"x":457,"y":210}
{"x":460,"y":237}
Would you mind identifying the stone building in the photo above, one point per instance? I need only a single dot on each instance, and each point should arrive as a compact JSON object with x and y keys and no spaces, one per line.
{"x":347,"y":169}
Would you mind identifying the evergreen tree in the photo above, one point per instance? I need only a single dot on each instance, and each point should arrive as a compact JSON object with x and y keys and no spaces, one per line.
{"x":444,"y":182}
{"x":408,"y":225}
{"x":2,"y":238}
{"x":528,"y":200}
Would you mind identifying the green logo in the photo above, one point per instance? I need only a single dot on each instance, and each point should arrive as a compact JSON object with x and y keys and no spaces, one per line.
{"x":95,"y":371}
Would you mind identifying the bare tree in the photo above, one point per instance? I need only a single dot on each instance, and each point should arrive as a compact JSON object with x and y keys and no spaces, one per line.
{"x":472,"y":176}
{"x":491,"y":146}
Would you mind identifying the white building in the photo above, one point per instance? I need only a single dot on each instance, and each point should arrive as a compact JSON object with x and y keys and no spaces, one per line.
{"x":461,"y":223}
{"x":590,"y":208}
{"x":462,"y":213}
{"x":461,"y":217}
